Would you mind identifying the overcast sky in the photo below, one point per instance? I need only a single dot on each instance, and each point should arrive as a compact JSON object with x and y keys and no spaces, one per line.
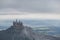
{"x":33,"y":6}
{"x":30,"y":9}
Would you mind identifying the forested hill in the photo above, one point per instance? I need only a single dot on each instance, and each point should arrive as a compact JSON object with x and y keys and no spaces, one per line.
{"x":20,"y":32}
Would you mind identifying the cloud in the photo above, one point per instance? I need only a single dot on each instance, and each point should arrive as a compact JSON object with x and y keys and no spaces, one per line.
{"x":32,"y":16}
{"x":32,"y":5}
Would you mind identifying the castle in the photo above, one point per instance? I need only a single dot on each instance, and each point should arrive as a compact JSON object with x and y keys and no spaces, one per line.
{"x":17,"y":24}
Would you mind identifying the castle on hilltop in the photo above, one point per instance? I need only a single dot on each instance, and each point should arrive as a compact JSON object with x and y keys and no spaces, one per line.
{"x":17,"y":24}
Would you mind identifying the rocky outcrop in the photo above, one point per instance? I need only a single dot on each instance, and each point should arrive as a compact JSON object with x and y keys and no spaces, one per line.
{"x":20,"y":32}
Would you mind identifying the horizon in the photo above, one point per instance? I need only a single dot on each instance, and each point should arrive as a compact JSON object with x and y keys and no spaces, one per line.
{"x":32,"y":16}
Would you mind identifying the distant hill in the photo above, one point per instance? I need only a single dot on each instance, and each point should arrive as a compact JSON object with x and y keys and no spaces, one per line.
{"x":50,"y":30}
